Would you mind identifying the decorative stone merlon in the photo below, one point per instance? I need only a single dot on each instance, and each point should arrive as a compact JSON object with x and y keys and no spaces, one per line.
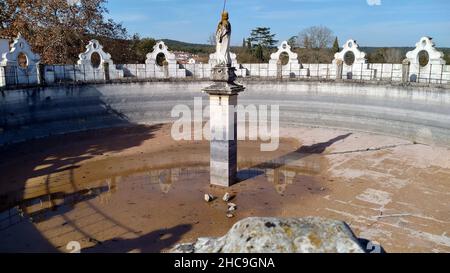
{"x":4,"y":46}
{"x":93,"y":71}
{"x":19,"y":65}
{"x":353,"y":47}
{"x":426,"y":44}
{"x":161,"y":48}
{"x":284,"y":48}
{"x":94,"y":47}
{"x":20,"y":45}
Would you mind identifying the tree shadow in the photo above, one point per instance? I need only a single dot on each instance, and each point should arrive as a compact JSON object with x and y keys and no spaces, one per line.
{"x":319,"y":148}
{"x":153,"y":242}
{"x":23,"y":219}
{"x":284,"y":160}
{"x":64,"y":138}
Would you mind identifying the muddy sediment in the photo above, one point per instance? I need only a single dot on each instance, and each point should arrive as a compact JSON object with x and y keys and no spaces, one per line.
{"x":134,"y":189}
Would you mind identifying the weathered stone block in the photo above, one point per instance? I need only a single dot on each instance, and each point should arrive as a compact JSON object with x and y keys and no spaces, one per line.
{"x":276,"y":235}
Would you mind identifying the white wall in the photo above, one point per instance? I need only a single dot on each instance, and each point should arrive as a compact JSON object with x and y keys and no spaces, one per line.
{"x":437,"y":74}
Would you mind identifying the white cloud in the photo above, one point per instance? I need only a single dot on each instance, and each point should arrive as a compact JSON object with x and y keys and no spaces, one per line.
{"x":374,"y":2}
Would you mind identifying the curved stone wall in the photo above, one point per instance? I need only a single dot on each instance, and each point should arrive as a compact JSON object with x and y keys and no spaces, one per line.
{"x":417,"y":113}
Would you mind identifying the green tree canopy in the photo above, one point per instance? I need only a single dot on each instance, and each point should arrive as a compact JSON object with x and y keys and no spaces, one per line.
{"x":142,"y":47}
{"x":336,"y":48}
{"x":292,"y":41}
{"x":262,"y":36}
{"x":259,"y":53}
{"x":386,"y":55}
{"x":446,"y":55}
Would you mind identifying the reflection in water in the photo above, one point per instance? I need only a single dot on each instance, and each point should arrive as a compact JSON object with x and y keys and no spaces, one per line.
{"x":40,"y":208}
{"x":165,"y":178}
{"x":111,"y":188}
{"x":275,"y":177}
{"x":283,"y":172}
{"x":70,"y":206}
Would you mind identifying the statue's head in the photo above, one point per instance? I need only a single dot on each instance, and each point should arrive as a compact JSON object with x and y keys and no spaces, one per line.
{"x":225,"y":16}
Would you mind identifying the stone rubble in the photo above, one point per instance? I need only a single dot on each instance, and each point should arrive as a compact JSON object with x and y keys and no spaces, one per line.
{"x":232,"y":207}
{"x":209,"y":198}
{"x":227,"y":197}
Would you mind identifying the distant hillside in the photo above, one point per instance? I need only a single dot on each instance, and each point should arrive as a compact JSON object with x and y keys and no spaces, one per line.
{"x":204,"y":49}
{"x":371,"y":49}
{"x":179,"y":45}
{"x":188,"y":47}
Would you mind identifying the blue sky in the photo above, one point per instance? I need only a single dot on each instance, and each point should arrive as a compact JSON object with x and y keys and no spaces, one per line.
{"x":370,"y":22}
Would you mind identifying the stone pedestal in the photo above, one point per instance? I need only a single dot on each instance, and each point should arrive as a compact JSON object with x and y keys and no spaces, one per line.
{"x":223,"y":95}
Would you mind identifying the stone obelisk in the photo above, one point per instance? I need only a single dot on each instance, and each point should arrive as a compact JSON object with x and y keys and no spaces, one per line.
{"x":223,"y":94}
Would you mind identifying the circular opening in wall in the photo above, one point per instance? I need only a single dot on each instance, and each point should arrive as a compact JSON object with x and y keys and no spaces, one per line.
{"x":349,"y":58}
{"x":424,"y":58}
{"x":284,"y":58}
{"x":96,"y":60}
{"x":424,"y":43}
{"x":22,"y":60}
{"x":160,"y":59}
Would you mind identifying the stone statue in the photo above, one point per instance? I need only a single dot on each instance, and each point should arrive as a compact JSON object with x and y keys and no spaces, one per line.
{"x":223,"y":100}
{"x":223,"y":36}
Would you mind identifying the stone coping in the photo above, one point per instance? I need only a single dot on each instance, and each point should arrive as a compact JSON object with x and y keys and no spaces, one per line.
{"x":239,"y":80}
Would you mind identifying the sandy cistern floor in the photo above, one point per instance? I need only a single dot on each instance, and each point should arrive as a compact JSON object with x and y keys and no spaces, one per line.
{"x":134,"y":189}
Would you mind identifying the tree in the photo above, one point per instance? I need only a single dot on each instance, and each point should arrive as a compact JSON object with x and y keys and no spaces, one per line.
{"x":260,"y":42}
{"x":249,"y":44}
{"x":292,"y":41}
{"x":310,"y":56}
{"x":58,"y":29}
{"x":393,"y":56}
{"x":263,"y":37}
{"x":447,"y":59}
{"x":316,"y":37}
{"x":142,"y":47}
{"x":244,"y":43}
{"x":376,"y":56}
{"x":335,"y":48}
{"x":259,"y":53}
{"x":3,"y":15}
{"x":386,"y":55}
{"x":315,"y":43}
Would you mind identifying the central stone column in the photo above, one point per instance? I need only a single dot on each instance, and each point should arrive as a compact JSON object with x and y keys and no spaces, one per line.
{"x":223,"y":98}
